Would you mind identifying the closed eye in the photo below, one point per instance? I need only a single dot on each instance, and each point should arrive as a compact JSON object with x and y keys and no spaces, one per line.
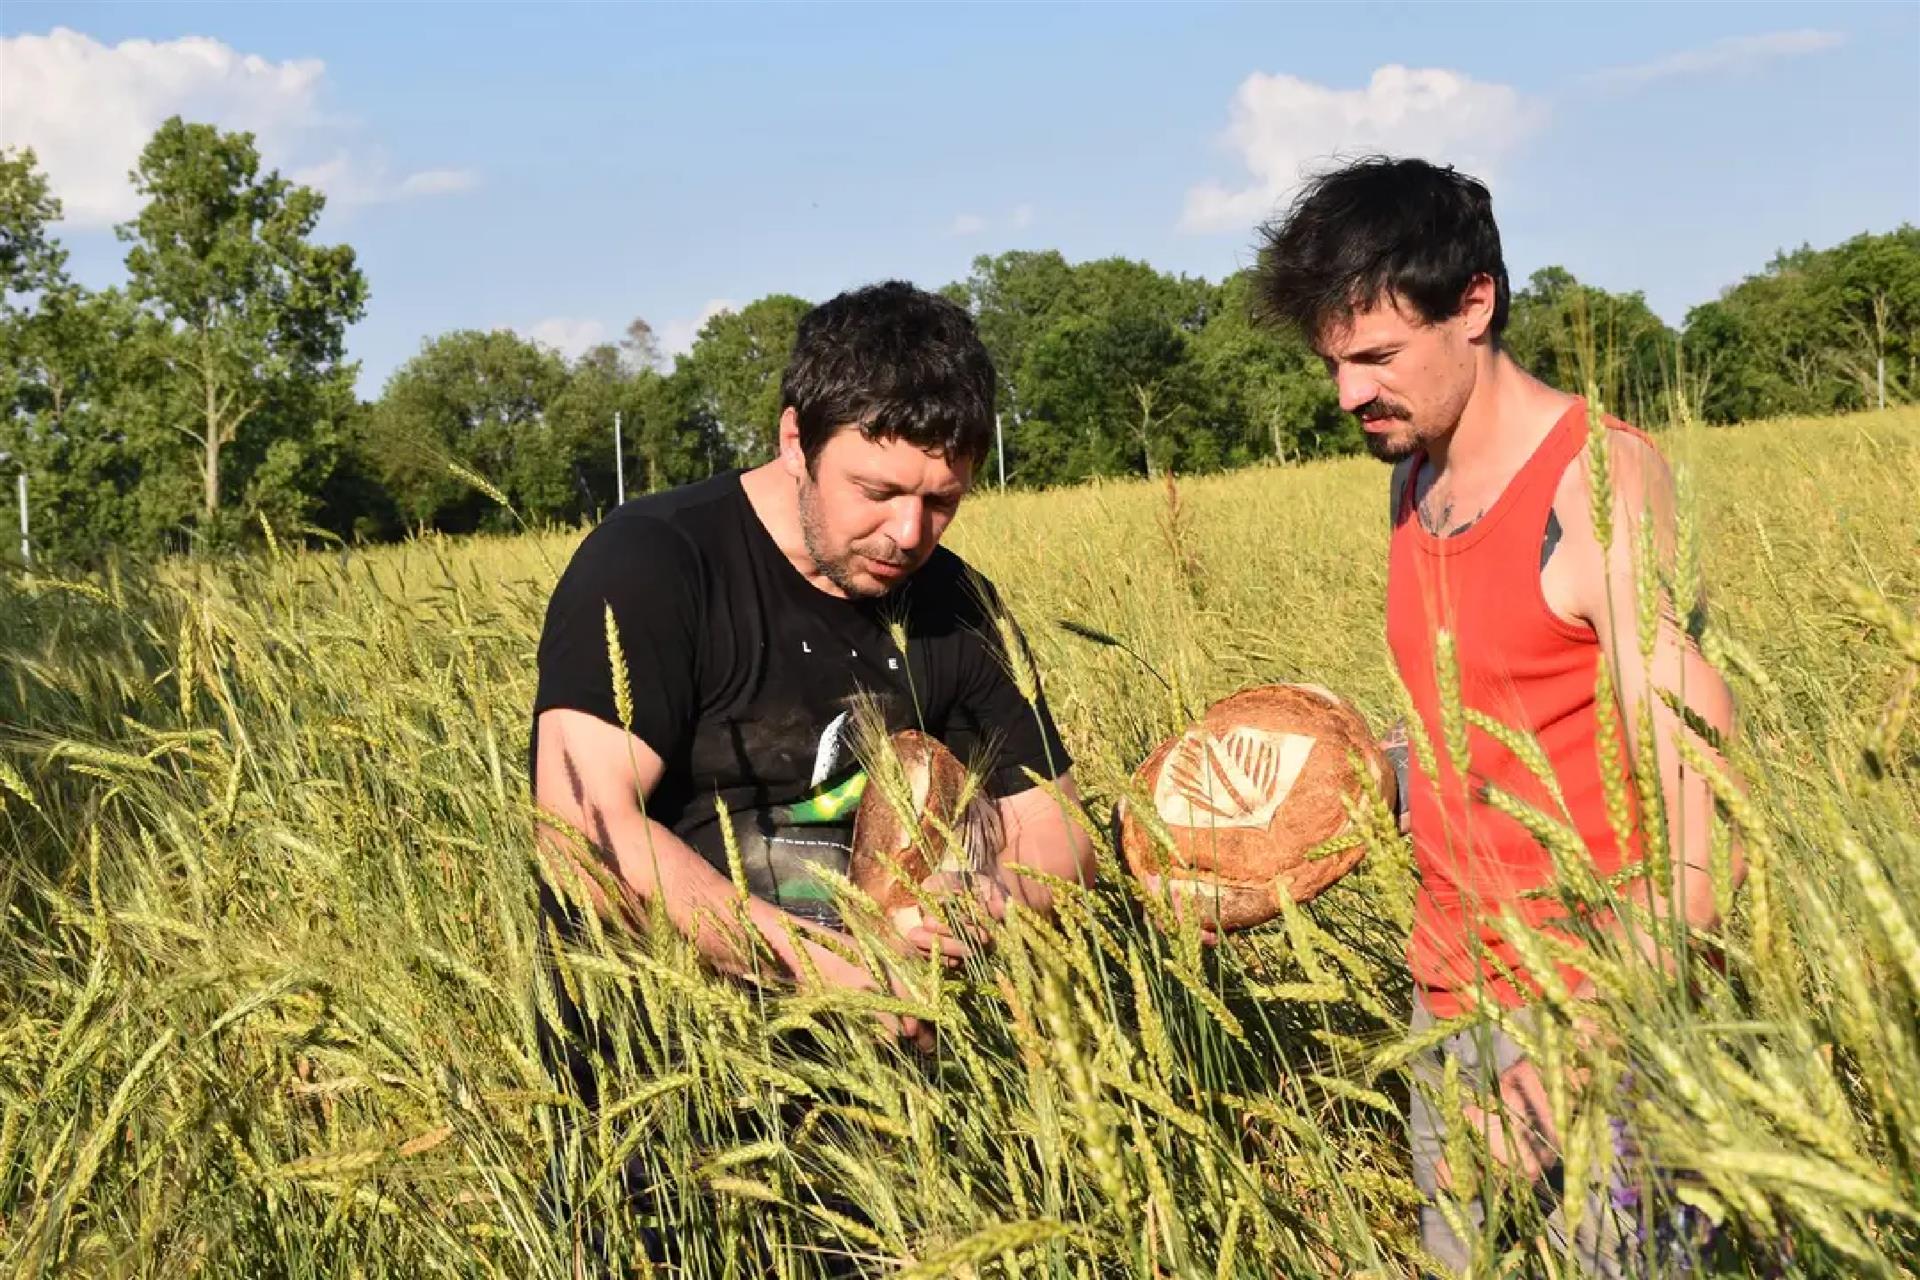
{"x":1372,"y":355}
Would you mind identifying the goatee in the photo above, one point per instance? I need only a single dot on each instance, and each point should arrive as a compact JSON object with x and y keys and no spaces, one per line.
{"x":1388,"y":448}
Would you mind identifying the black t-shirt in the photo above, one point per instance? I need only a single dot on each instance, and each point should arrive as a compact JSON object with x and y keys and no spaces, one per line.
{"x":743,"y":677}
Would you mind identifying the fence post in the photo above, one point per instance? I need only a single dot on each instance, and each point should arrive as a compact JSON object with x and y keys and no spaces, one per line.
{"x":26,"y":545}
{"x":619,"y":459}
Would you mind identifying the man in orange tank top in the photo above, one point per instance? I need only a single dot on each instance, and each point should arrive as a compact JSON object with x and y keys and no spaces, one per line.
{"x":1497,"y":571}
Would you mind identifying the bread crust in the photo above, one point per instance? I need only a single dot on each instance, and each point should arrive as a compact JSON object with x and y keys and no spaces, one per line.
{"x":1247,"y":794}
{"x":892,"y":855}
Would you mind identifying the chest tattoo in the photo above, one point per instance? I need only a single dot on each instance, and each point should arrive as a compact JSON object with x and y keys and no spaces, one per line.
{"x":1438,"y":517}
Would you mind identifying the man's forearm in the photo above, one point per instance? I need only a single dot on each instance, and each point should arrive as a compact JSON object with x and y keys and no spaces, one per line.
{"x":1662,"y":915}
{"x":701,"y":904}
{"x":1061,"y":862}
{"x":1043,"y":837}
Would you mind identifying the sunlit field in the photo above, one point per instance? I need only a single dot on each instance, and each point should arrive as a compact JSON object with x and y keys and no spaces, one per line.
{"x":267,"y":970}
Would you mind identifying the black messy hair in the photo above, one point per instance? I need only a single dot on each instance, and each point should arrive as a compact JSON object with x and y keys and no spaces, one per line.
{"x":897,"y":362}
{"x":1378,"y":228}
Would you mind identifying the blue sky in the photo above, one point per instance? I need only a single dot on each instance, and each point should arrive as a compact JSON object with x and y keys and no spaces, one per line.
{"x":561,"y":169}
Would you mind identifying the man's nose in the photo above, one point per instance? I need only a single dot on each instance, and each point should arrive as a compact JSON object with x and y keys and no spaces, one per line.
{"x":909,"y":523}
{"x":1356,"y":388}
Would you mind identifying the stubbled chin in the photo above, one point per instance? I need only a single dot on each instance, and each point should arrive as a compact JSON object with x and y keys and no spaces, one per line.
{"x":1393,"y":446}
{"x":870,"y":586}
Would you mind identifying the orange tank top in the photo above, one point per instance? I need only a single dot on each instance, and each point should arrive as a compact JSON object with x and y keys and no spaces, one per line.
{"x":1525,"y":667}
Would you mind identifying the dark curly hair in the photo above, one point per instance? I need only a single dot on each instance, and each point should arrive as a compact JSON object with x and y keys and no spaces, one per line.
{"x":897,"y":362}
{"x":1376,"y":228}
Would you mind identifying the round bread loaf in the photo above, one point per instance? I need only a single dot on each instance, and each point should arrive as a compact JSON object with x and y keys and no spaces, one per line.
{"x":892,"y":853}
{"x":1247,"y":794}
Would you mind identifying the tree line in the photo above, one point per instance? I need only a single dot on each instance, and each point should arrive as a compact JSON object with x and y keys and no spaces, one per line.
{"x":209,"y":398}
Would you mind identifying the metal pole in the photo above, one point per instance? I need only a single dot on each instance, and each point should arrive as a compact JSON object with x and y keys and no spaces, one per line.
{"x":1880,"y":372}
{"x":26,"y":546}
{"x":619,"y":459}
{"x":1000,"y":447}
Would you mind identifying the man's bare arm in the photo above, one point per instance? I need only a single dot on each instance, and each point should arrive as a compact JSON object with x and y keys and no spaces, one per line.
{"x":1610,"y":590}
{"x":1043,"y":836}
{"x":594,"y":776}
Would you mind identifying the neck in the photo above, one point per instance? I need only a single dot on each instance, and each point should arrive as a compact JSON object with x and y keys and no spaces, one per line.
{"x":774,"y":496}
{"x":1505,"y":417}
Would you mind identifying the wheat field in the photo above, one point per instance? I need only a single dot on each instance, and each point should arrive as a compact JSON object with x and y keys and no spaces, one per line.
{"x":267,"y":993}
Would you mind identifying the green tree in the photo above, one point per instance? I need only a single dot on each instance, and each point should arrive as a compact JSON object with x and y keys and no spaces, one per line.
{"x":1013,"y":299}
{"x":1813,"y":332}
{"x":1567,"y":334}
{"x":678,"y":439}
{"x":1270,"y":394}
{"x":1871,"y":290}
{"x":734,"y":373}
{"x":252,"y":315}
{"x":602,"y":382}
{"x":1105,"y":394}
{"x":354,"y":503}
{"x":63,"y":372}
{"x":1105,"y":384}
{"x":479,"y":401}
{"x":31,"y":261}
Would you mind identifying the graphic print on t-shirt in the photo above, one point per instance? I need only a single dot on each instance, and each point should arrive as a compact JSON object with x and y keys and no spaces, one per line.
{"x":826,"y":755}
{"x":817,"y":830}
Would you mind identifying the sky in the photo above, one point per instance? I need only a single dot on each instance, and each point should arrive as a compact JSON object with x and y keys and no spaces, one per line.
{"x":561,"y":169}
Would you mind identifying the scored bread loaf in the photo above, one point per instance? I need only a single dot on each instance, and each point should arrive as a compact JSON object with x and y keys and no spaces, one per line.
{"x":1248,"y":795}
{"x":895,"y":851}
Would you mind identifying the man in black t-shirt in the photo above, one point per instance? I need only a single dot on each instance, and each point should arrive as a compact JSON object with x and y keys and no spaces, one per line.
{"x":755,"y":609}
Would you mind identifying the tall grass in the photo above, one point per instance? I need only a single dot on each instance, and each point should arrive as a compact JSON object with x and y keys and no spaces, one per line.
{"x":268,"y":995}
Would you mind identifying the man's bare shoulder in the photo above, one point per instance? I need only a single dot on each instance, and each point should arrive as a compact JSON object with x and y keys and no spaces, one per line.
{"x":1577,"y":573}
{"x":1638,"y":477}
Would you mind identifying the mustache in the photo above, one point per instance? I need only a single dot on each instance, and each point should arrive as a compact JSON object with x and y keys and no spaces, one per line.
{"x":1377,"y":410}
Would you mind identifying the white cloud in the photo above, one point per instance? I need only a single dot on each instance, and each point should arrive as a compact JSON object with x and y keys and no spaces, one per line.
{"x":368,"y":178}
{"x":569,"y":336}
{"x":972,"y":224}
{"x":438,"y":182}
{"x":676,"y":336}
{"x":87,"y":109}
{"x":1734,"y":53}
{"x":1282,"y":127}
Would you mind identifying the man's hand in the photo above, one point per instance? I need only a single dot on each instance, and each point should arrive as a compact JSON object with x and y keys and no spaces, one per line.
{"x":593,"y":776}
{"x":1519,"y":1129}
{"x":836,"y":973}
{"x":1043,"y":836}
{"x":964,"y":899}
{"x":1037,"y":833}
{"x":1185,"y":907}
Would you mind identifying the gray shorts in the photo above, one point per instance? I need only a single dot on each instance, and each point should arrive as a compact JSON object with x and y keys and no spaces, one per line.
{"x":1607,"y":1240}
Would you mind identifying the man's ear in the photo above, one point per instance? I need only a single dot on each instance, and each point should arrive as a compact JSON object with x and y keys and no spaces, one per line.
{"x":792,"y":458}
{"x":1476,"y":306}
